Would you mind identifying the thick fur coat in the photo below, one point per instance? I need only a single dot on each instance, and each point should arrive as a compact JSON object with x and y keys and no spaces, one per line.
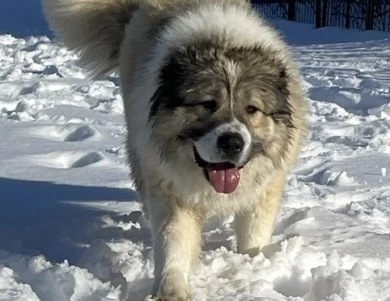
{"x":215,"y":113}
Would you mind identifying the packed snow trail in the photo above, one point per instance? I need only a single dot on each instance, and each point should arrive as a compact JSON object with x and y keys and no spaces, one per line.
{"x":70,"y":226}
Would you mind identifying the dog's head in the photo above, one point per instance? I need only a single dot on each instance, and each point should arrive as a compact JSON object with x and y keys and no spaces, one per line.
{"x":220,"y":108}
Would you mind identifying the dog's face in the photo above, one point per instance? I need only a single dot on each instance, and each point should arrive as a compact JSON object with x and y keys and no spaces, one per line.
{"x":220,"y":108}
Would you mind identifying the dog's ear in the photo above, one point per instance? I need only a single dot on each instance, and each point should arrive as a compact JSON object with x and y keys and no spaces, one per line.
{"x":94,"y":28}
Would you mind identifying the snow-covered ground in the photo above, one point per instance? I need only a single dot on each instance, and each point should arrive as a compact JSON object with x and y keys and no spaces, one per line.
{"x":70,"y":228}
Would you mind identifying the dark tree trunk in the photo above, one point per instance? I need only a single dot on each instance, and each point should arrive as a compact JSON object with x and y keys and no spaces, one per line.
{"x":324,"y":13}
{"x":318,"y":14}
{"x":291,"y":10}
{"x":370,"y":15}
{"x":348,"y":15}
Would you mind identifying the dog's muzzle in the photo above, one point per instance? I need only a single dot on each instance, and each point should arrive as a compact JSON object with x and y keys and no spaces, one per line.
{"x":222,"y":153}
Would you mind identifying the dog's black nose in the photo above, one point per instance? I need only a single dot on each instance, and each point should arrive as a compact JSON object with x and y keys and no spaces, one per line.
{"x":231,"y":144}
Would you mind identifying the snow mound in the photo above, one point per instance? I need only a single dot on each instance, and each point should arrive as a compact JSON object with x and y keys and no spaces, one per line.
{"x":40,"y":280}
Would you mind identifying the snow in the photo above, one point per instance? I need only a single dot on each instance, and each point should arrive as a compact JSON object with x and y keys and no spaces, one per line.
{"x":70,"y":226}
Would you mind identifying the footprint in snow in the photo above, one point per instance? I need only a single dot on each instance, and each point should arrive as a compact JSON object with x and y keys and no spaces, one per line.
{"x":66,"y":133}
{"x":68,"y":160}
{"x":328,"y":177}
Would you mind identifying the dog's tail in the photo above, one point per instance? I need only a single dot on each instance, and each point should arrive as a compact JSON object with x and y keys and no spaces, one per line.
{"x":95,"y":28}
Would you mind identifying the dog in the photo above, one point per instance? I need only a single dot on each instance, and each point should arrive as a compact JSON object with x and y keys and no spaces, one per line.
{"x":215,"y":110}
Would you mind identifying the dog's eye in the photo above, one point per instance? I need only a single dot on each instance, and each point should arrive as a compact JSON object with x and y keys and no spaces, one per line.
{"x":251,"y":110}
{"x":209,"y":105}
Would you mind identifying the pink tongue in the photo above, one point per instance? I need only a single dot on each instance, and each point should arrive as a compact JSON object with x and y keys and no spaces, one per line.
{"x":224,"y":180}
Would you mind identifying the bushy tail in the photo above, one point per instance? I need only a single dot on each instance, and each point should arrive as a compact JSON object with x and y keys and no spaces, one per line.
{"x":95,"y":28}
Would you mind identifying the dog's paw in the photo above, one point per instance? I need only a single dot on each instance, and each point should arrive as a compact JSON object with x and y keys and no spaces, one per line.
{"x":167,"y":298}
{"x":172,"y":288}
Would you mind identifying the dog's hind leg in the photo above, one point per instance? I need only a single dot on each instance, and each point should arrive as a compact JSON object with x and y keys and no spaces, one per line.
{"x":177,"y":244}
{"x":254,"y":226}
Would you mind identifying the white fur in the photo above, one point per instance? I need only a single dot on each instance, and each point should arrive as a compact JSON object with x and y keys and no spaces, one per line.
{"x":237,"y":26}
{"x":254,"y":228}
{"x":176,"y":248}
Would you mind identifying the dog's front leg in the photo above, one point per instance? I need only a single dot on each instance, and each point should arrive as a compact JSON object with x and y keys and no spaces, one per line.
{"x":177,"y":244}
{"x":254,"y":226}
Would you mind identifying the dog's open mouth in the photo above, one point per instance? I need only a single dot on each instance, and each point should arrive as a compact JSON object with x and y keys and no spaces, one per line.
{"x":224,"y":176}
